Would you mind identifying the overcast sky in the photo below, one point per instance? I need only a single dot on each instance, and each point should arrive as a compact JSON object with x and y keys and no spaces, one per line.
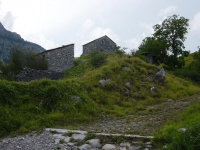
{"x":53,"y":23}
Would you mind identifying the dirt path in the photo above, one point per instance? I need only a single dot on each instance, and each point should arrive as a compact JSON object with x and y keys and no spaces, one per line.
{"x":145,"y":122}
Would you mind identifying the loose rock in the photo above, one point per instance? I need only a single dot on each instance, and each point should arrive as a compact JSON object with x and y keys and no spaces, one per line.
{"x":108,"y":147}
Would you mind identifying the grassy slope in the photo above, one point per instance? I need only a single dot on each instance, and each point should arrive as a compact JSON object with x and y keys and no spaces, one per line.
{"x":46,"y":103}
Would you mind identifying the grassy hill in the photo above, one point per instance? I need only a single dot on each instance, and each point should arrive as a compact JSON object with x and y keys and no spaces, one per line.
{"x":80,"y":98}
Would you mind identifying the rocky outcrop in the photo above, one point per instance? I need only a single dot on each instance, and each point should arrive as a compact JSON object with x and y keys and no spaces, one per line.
{"x":9,"y":40}
{"x":31,"y":74}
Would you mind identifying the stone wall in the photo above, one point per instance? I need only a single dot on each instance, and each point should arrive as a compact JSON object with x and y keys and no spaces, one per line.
{"x":103,"y":44}
{"x":31,"y":74}
{"x":60,"y":59}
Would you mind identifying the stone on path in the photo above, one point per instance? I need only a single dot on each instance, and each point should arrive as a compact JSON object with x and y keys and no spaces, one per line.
{"x":94,"y":143}
{"x":78,"y":137}
{"x":108,"y":147}
{"x":85,"y":147}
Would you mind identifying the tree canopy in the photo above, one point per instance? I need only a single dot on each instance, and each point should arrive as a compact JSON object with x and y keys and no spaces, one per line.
{"x":167,"y":41}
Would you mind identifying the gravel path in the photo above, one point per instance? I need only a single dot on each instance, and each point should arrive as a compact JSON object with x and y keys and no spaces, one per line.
{"x":145,"y":122}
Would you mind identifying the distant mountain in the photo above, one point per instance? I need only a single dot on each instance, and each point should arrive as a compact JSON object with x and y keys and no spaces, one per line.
{"x":11,"y":39}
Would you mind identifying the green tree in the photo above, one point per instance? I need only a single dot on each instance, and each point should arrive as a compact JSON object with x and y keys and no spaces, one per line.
{"x":172,"y":31}
{"x":156,"y":47}
{"x":22,"y":58}
{"x":167,"y":42}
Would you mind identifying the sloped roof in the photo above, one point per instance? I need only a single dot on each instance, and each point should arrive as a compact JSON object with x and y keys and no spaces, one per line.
{"x":99,"y":39}
{"x":55,"y":48}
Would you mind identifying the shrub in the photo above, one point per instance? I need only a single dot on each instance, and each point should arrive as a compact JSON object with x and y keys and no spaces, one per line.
{"x":97,"y":59}
{"x":120,"y":51}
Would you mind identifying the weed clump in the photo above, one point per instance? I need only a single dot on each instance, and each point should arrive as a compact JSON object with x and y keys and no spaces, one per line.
{"x":97,"y":59}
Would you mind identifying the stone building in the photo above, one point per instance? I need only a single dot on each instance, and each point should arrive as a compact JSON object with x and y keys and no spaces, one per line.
{"x":59,"y":59}
{"x":150,"y":58}
{"x":102,"y":44}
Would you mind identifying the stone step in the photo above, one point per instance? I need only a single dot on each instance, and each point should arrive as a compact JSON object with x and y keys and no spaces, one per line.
{"x":64,"y":131}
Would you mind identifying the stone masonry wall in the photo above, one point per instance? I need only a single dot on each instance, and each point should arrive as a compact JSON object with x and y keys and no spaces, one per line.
{"x":103,"y":44}
{"x":60,"y":59}
{"x":27,"y":75}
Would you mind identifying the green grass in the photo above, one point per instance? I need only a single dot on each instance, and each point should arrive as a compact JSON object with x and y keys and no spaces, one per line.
{"x":187,"y":140}
{"x":46,"y":103}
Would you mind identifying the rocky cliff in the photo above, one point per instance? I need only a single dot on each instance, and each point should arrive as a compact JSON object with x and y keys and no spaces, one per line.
{"x":11,"y":39}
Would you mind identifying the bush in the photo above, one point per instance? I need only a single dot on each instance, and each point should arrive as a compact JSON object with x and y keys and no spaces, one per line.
{"x":22,"y":58}
{"x":97,"y":59}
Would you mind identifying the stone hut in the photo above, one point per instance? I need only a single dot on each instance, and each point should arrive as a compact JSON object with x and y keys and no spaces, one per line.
{"x":59,"y":59}
{"x":150,"y":58}
{"x":102,"y":44}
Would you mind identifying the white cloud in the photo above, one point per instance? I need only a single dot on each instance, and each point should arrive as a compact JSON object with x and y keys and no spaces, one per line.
{"x":195,"y":25}
{"x":88,"y":24}
{"x":8,"y":21}
{"x":42,"y":41}
{"x":99,"y":32}
{"x":133,"y":43}
{"x":147,"y":28}
{"x":167,"y":10}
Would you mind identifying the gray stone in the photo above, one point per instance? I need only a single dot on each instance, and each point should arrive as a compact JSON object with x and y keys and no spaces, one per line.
{"x":153,"y":89}
{"x":128,"y":84}
{"x":148,"y":143}
{"x":125,"y":144}
{"x":135,"y":147}
{"x":27,"y":75}
{"x":85,"y":147}
{"x":76,"y":98}
{"x":169,"y":100}
{"x":104,"y":82}
{"x":108,"y":147}
{"x":94,"y":143}
{"x":165,"y":146}
{"x":79,"y":137}
{"x":70,"y":144}
{"x":160,"y":75}
{"x":64,"y":131}
{"x":126,"y":68}
{"x":148,"y":146}
{"x":181,"y":130}
{"x":59,"y":137}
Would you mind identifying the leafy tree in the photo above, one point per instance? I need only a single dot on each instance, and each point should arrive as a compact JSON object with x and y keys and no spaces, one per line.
{"x":167,"y":42}
{"x":22,"y":58}
{"x":155,"y":47}
{"x":120,"y":51}
{"x":172,"y":31}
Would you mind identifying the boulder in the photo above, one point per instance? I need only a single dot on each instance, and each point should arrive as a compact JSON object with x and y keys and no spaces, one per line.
{"x":153,"y":89}
{"x":181,"y":130}
{"x":94,"y":143}
{"x":78,"y":137}
{"x":128,"y":84}
{"x":160,"y":74}
{"x":104,"y":82}
{"x":85,"y":147}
